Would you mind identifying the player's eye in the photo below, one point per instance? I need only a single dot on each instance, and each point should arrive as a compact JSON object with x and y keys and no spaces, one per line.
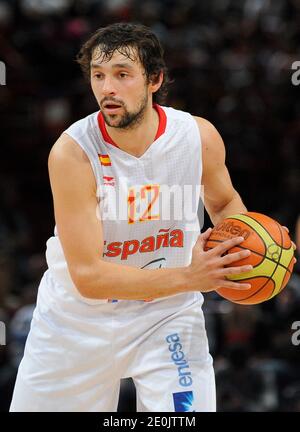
{"x":123,"y":74}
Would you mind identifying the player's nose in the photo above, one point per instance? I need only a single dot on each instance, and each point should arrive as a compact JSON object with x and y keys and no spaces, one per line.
{"x":108,"y":87}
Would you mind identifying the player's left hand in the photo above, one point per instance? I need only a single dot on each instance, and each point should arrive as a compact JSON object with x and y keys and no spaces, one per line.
{"x":294,"y":246}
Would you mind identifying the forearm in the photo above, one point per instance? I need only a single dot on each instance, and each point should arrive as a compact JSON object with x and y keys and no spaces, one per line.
{"x":116,"y":281}
{"x":232,"y":207}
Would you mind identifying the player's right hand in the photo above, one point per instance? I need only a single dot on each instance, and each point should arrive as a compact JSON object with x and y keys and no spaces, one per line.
{"x":207,"y":271}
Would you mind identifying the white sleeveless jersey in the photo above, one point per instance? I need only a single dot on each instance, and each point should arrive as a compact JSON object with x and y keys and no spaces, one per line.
{"x":148,"y":205}
{"x":93,"y":344}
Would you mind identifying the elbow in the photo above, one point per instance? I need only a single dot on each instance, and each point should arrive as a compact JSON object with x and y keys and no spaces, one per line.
{"x":86,"y":283}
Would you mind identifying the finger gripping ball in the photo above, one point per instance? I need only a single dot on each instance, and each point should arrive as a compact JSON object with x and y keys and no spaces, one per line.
{"x":271,"y":256}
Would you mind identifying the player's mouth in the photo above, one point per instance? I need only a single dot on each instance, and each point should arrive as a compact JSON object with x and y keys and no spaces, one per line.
{"x":111,"y":108}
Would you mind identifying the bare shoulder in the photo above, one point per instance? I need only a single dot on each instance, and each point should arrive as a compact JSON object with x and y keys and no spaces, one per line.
{"x":213,"y":149}
{"x":204,"y":124}
{"x":69,"y":165}
{"x":212,"y":142}
{"x":66,"y":150}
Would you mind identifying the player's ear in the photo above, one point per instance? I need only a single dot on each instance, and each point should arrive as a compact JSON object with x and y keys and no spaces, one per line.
{"x":156,"y":81}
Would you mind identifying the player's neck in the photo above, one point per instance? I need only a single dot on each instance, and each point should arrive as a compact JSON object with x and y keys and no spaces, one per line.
{"x":137,"y":140}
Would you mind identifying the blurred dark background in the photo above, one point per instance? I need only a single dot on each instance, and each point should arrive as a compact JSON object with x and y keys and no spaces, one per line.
{"x":232,"y":64}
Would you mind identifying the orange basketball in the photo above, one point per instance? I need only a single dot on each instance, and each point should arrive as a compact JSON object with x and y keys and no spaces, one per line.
{"x":271,"y":256}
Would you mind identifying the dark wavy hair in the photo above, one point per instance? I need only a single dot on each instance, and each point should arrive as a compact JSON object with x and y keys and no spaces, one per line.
{"x":122,"y":37}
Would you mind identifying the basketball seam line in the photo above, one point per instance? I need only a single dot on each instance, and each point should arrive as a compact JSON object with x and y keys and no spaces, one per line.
{"x":258,"y":234}
{"x":284,"y":276}
{"x":269,"y":278}
{"x":256,"y":253}
{"x":250,"y":217}
{"x":276,"y":267}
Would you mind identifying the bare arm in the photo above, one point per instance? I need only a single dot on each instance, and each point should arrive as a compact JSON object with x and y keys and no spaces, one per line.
{"x":220,"y":197}
{"x":80,"y":231}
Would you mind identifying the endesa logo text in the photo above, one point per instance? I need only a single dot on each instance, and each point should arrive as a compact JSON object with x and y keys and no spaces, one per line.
{"x":164,"y":239}
{"x":178,"y":358}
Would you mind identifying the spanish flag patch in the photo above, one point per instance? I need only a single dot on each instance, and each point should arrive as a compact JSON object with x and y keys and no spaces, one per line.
{"x":104,"y":160}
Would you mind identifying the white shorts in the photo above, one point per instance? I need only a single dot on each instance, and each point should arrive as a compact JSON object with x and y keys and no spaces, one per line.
{"x":73,"y":361}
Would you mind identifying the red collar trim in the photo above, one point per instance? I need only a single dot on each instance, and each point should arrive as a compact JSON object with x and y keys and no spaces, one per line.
{"x":162,"y":124}
{"x":103,"y":130}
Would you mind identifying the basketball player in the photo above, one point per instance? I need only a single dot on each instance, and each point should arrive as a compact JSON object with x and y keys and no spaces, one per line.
{"x":123,"y":292}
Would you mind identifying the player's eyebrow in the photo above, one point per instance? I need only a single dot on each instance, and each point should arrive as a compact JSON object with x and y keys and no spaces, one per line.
{"x":123,"y":65}
{"x":115,"y":66}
